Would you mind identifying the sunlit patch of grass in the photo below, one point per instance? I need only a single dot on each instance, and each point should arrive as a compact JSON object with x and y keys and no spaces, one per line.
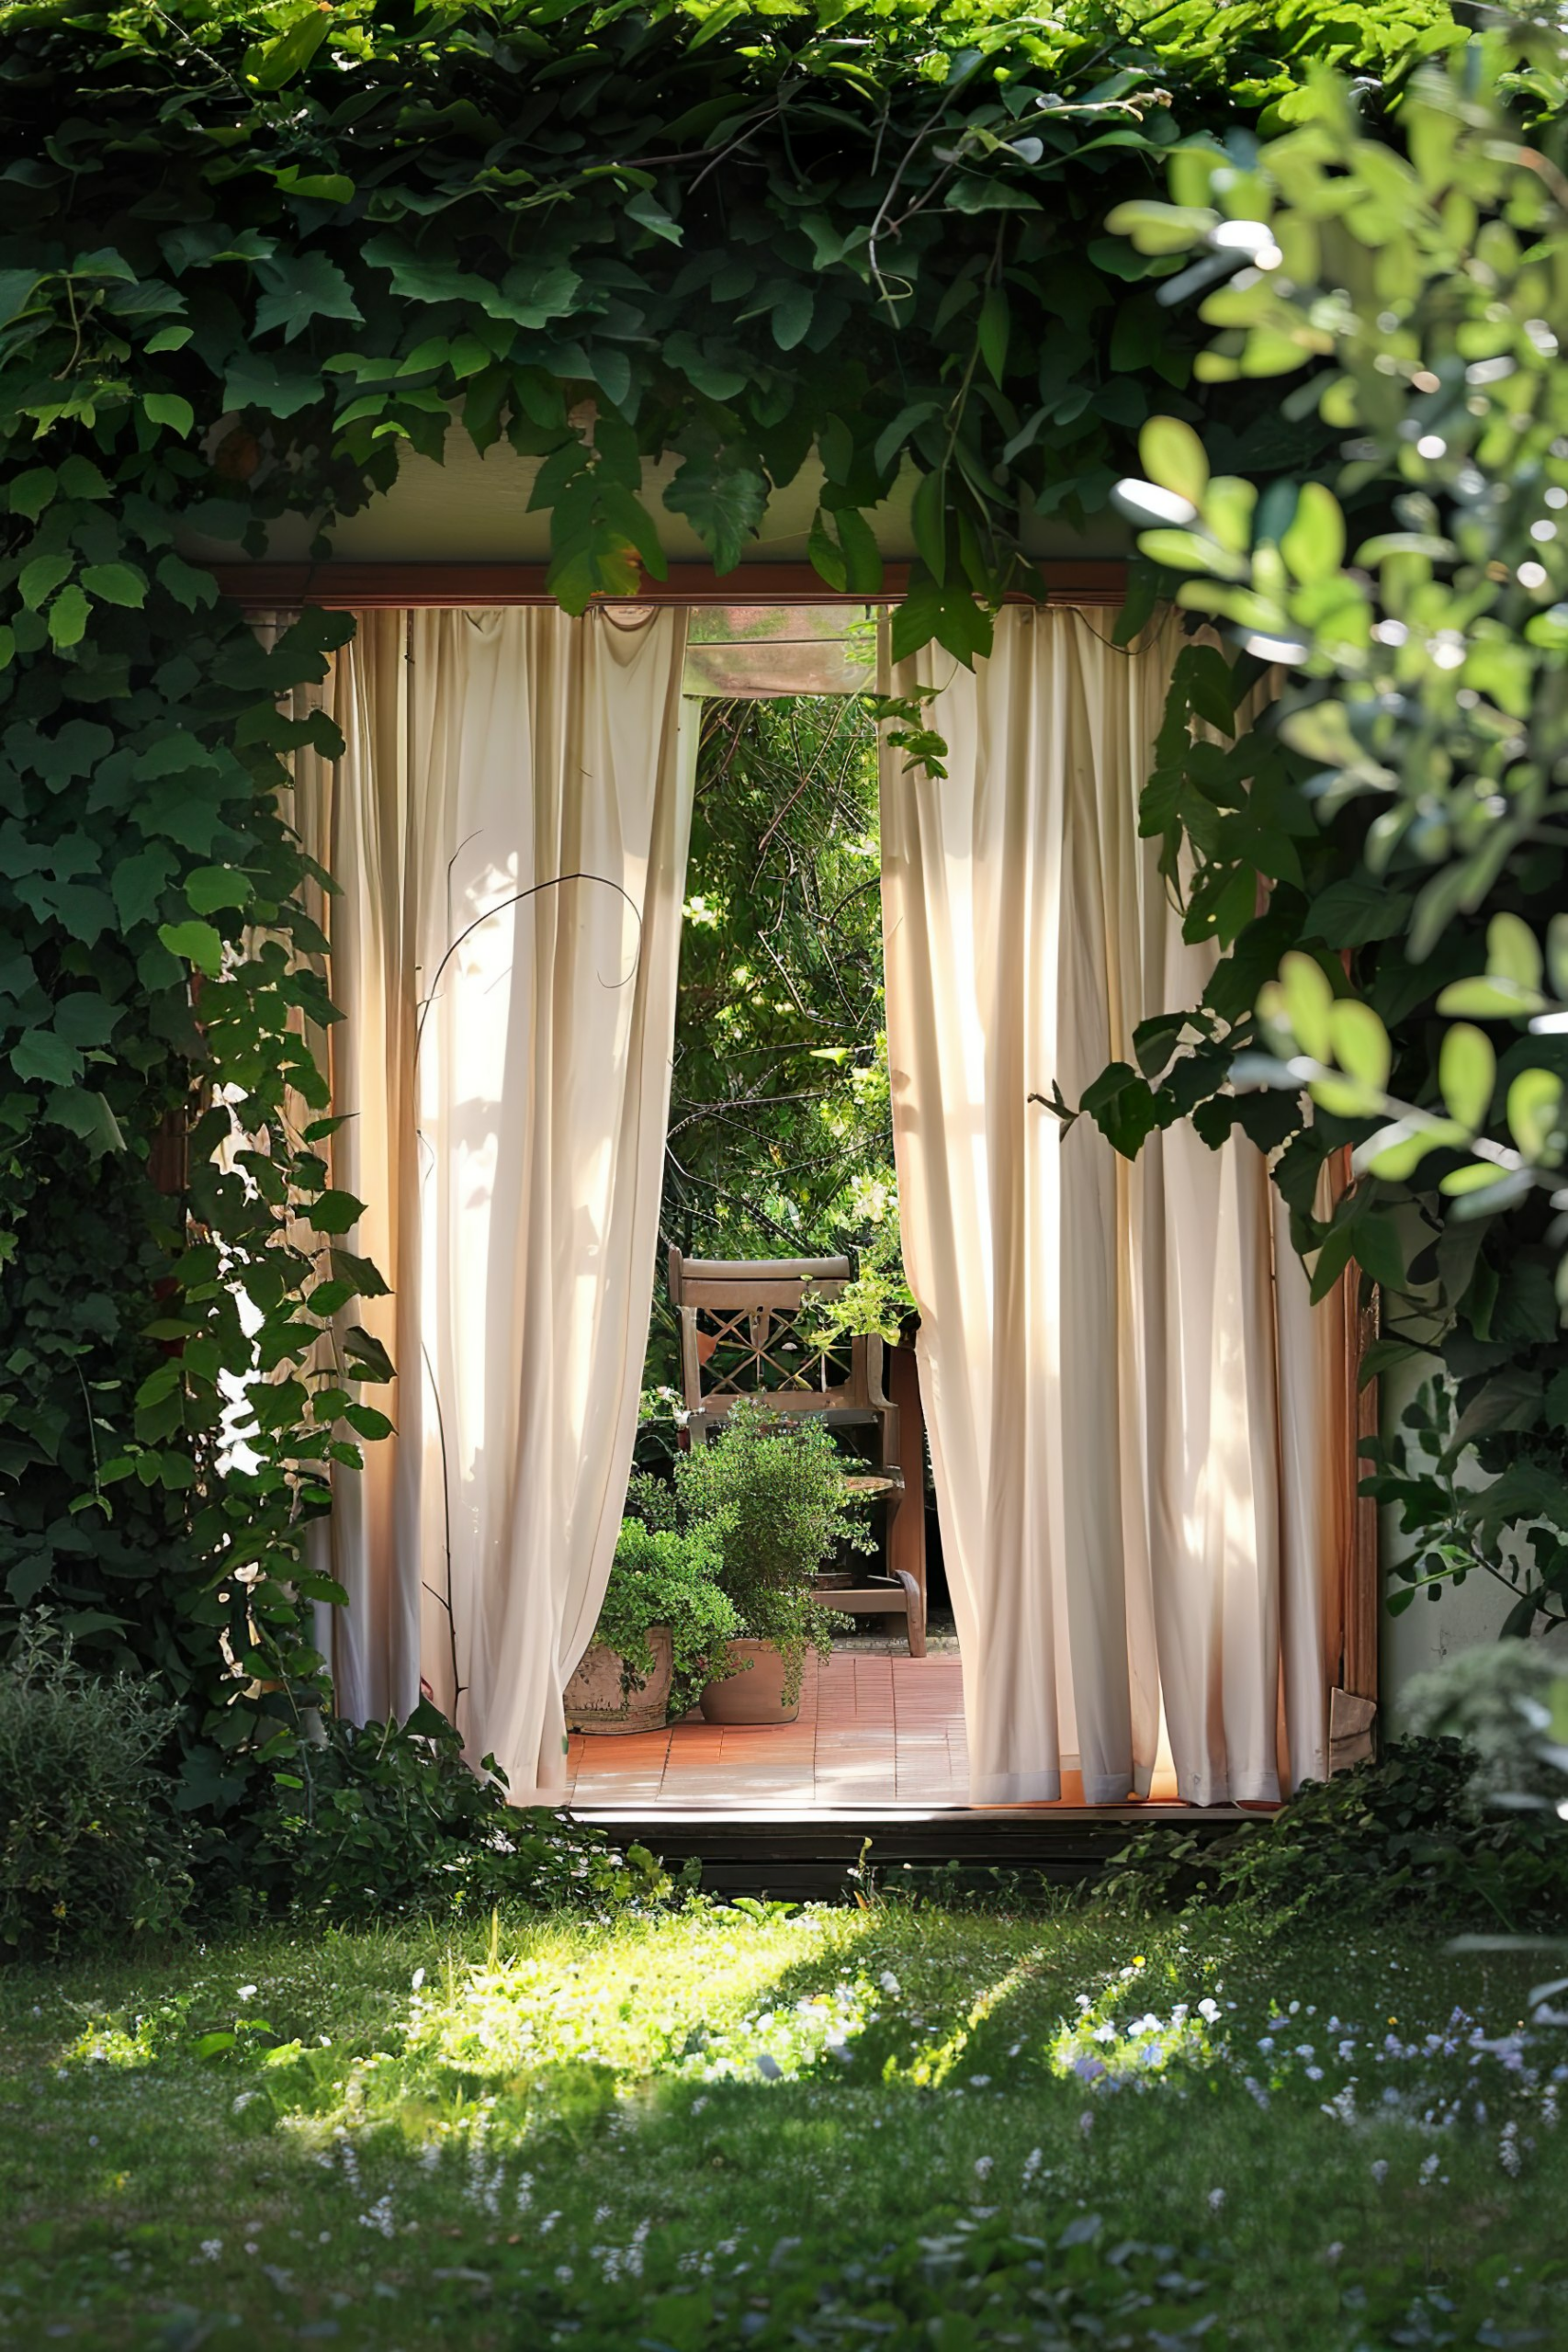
{"x":403,"y":2137}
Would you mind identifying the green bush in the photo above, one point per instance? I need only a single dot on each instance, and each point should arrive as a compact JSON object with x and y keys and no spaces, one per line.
{"x":388,"y":1820}
{"x":91,"y":1850}
{"x":665,"y":1577}
{"x":652,"y":1502}
{"x":773,"y":1493}
{"x":1403,"y":1828}
{"x":1492,"y":1698}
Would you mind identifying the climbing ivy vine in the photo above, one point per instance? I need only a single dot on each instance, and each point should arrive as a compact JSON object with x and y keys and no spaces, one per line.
{"x":249,"y":254}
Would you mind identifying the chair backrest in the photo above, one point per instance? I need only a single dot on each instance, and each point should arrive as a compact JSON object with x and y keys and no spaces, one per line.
{"x":744,"y":1333}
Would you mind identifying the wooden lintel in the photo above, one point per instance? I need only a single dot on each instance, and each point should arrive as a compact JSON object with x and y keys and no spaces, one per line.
{"x":372,"y":587}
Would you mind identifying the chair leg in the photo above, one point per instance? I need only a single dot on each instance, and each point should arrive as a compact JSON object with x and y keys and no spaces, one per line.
{"x":915,"y":1602}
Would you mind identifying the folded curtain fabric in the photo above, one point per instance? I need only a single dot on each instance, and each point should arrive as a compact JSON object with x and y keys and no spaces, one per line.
{"x":503,"y":1072}
{"x":1135,"y":1417}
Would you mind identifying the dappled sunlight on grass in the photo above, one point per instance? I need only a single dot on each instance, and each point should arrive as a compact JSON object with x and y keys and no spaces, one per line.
{"x":486,"y":2139}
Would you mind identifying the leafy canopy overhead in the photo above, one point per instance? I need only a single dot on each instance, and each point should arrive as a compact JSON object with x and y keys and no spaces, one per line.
{"x":719,"y":236}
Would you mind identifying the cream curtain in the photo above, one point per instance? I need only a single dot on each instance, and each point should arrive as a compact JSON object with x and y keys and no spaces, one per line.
{"x":1133,"y":1411}
{"x":503,"y":1063}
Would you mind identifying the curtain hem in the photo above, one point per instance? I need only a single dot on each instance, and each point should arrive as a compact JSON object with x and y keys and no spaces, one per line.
{"x":1016,"y":1788}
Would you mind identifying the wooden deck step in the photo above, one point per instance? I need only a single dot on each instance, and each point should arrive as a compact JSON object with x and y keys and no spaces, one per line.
{"x":814,"y":1857}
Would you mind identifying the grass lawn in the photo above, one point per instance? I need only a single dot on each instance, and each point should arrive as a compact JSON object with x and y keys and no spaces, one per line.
{"x":895,"y":2126}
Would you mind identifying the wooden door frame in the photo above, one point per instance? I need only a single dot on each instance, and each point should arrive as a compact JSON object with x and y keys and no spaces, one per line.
{"x":1091,"y":583}
{"x":379,"y":587}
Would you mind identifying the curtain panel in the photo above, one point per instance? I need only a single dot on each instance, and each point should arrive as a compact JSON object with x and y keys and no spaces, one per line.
{"x":503,"y":1068}
{"x":1136,"y":1418}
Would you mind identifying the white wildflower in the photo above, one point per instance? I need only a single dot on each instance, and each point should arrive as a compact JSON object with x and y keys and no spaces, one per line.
{"x":983,"y":2165}
{"x":1216,"y":2200}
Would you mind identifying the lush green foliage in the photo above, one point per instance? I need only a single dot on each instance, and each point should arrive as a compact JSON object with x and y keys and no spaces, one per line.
{"x":90,"y":1848}
{"x":774,"y":1494}
{"x":781,"y":1133}
{"x":1403,"y":1828}
{"x":668,"y":1577}
{"x":387,"y":1821}
{"x":1404,"y":801}
{"x":249,"y":253}
{"x":747,"y":2117}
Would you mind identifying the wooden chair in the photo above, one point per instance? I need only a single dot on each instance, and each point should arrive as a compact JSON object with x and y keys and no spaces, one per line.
{"x":743,"y":1334}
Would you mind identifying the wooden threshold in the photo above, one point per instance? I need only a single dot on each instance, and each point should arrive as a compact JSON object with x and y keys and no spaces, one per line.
{"x":372,"y":587}
{"x":811,"y":1856}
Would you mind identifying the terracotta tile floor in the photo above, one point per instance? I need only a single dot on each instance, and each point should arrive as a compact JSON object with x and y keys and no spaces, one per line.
{"x":875,"y":1729}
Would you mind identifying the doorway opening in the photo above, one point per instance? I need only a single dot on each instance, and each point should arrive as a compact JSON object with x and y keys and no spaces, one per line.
{"x":780,"y":1150}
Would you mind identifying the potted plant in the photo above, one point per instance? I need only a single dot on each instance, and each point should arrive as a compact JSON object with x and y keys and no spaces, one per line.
{"x":773,"y":1491}
{"x":663,"y":1629}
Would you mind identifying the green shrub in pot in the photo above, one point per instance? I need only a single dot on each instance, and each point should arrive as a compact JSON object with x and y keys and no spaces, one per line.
{"x":666,"y":1575}
{"x":773,"y":1493}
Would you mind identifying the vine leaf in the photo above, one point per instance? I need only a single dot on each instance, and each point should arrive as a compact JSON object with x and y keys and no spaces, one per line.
{"x":723,"y":500}
{"x":194,"y":943}
{"x":171,"y":409}
{"x":302,"y":286}
{"x":116,"y":583}
{"x":950,"y":615}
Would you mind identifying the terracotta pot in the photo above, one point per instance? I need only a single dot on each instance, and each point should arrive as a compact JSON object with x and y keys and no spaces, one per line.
{"x":596,"y":1699}
{"x":755,"y":1695}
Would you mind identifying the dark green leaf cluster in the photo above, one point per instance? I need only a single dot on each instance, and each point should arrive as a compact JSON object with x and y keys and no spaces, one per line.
{"x":616,"y":236}
{"x":1403,"y":1829}
{"x":388,"y":1820}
